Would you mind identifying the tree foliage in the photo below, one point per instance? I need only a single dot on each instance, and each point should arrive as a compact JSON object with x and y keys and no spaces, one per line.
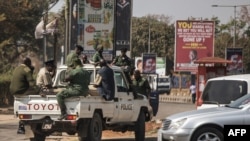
{"x":18,"y":19}
{"x":153,"y":34}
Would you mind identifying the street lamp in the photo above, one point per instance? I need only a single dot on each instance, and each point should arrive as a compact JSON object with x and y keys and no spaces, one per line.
{"x":234,"y":6}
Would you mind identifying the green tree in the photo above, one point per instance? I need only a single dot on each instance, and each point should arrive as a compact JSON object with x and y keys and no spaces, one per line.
{"x":17,"y":24}
{"x":155,"y":29}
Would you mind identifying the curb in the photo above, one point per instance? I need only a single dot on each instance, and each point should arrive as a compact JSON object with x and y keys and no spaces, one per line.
{"x":7,"y":110}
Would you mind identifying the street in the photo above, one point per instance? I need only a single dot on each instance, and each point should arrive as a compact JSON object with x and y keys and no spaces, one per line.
{"x":8,"y":125}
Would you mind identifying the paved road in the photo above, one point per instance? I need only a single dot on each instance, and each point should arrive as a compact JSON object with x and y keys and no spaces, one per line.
{"x":8,"y":124}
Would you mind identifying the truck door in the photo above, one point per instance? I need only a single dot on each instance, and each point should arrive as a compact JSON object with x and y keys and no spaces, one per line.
{"x":124,"y":100}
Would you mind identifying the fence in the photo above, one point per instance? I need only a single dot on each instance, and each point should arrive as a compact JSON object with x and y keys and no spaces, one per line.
{"x":177,"y":95}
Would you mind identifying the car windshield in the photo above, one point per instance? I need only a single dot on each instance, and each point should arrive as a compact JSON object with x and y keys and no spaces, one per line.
{"x":241,"y":102}
{"x":224,"y":91}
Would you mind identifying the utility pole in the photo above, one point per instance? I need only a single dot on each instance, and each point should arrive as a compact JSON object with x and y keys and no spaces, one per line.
{"x":45,"y":20}
{"x":66,"y":47}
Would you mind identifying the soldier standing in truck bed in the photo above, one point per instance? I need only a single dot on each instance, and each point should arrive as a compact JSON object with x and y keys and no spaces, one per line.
{"x":124,"y":62}
{"x":141,"y":84}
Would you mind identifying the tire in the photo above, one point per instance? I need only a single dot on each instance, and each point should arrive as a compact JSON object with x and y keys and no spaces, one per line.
{"x":38,"y":137}
{"x":207,"y":133}
{"x":140,"y":127}
{"x":95,"y":128}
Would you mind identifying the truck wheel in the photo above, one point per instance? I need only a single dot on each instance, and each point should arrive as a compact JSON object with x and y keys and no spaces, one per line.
{"x":95,"y":128}
{"x":38,"y":137}
{"x":140,"y":127}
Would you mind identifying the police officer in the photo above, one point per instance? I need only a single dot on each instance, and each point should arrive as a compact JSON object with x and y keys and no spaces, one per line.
{"x":140,"y":84}
{"x":74,"y":55}
{"x":44,"y":77}
{"x":23,"y":83}
{"x":79,"y":80}
{"x":97,"y":57}
{"x":124,"y":62}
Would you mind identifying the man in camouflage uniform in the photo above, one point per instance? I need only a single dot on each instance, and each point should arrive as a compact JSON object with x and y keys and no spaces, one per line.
{"x":74,"y":55}
{"x":140,"y":84}
{"x":124,"y":62}
{"x":97,"y":57}
{"x":79,"y":80}
{"x":23,"y":83}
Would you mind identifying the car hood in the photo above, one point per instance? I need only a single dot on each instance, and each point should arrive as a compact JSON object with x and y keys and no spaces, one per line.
{"x":204,"y":112}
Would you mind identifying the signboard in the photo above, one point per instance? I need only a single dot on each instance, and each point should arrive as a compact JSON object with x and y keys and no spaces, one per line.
{"x":235,"y":55}
{"x":160,"y":67}
{"x":104,"y":23}
{"x":96,"y":26}
{"x":149,"y":63}
{"x":123,"y":24}
{"x":194,"y":40}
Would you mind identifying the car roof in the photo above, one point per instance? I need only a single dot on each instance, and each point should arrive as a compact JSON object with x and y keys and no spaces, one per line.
{"x":90,"y":66}
{"x":243,"y":77}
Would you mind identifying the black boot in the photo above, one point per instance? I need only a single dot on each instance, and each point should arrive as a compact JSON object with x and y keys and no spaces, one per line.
{"x":63,"y":112}
{"x":21,"y":129}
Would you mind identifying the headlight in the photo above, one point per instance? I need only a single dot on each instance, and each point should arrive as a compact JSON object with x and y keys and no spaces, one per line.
{"x":177,"y":124}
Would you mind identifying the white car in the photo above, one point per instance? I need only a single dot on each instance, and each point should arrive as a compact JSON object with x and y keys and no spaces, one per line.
{"x":222,"y":90}
{"x":205,"y":124}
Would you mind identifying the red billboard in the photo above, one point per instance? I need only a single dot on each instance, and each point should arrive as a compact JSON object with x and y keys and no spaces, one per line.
{"x":193,"y":40}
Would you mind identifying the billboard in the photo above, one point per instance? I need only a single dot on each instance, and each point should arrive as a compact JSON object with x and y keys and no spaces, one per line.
{"x":158,"y":68}
{"x":193,"y":40}
{"x":123,"y":24}
{"x":100,"y":22}
{"x":149,"y":63}
{"x":95,"y":24}
{"x":235,"y":55}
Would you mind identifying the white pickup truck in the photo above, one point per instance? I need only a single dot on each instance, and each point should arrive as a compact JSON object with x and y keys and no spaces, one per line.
{"x":87,"y":116}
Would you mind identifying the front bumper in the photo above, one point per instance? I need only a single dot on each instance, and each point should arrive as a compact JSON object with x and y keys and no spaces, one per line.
{"x":174,"y":135}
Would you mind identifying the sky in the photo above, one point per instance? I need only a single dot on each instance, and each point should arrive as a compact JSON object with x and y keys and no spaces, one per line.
{"x":184,"y":9}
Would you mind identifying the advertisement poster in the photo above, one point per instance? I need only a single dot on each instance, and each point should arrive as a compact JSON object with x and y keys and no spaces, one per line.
{"x":149,"y":63}
{"x":235,"y":55}
{"x":194,"y":40}
{"x":123,"y":24}
{"x":160,"y":68}
{"x":96,"y":26}
{"x":175,"y":81}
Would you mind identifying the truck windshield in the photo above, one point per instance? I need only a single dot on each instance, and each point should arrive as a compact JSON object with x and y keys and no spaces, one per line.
{"x":224,"y":91}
